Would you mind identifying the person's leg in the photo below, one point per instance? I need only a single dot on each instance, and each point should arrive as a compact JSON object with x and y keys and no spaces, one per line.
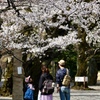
{"x":62,"y":93}
{"x":67,"y":93}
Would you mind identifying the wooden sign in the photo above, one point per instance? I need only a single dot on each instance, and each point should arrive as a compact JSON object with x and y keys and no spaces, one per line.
{"x":81,"y":79}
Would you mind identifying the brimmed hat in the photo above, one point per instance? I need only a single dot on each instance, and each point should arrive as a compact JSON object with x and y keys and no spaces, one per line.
{"x":61,"y":62}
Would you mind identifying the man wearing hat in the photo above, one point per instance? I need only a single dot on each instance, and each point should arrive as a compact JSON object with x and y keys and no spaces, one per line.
{"x":64,"y":91}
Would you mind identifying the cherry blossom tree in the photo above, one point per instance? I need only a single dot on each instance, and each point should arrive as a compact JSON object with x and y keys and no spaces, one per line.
{"x":70,"y":16}
{"x":79,"y":19}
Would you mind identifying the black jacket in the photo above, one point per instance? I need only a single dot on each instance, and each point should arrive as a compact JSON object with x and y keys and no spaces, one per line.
{"x":43,"y":77}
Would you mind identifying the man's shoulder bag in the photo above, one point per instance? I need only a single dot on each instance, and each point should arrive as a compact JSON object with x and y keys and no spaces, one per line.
{"x":67,"y":79}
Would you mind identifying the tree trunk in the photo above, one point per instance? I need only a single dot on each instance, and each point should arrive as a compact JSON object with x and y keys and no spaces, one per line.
{"x":17,"y":78}
{"x":82,"y":47}
{"x":81,"y":70}
{"x":92,"y":72}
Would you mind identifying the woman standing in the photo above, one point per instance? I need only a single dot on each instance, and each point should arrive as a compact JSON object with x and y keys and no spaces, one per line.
{"x":45,"y":75}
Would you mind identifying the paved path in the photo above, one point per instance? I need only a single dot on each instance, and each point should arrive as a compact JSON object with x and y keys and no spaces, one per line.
{"x":75,"y":94}
{"x":82,"y":95}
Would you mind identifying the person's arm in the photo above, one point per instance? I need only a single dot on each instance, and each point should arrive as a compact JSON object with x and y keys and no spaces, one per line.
{"x":58,"y":81}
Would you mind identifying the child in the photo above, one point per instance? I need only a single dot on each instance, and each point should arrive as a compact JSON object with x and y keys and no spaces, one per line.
{"x":29,"y":93}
